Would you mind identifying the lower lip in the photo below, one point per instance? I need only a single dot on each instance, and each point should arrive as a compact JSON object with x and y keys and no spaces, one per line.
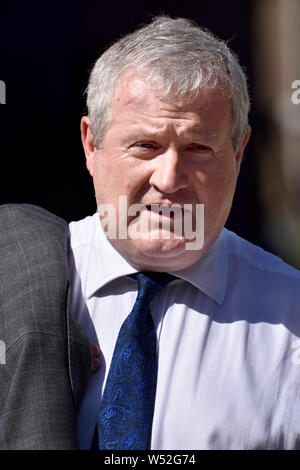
{"x":172,"y":213}
{"x":169,"y":216}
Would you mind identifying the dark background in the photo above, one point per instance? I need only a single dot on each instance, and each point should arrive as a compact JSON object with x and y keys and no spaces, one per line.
{"x":46,"y":52}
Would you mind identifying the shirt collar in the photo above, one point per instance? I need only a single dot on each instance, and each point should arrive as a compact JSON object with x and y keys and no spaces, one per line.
{"x":209,"y":274}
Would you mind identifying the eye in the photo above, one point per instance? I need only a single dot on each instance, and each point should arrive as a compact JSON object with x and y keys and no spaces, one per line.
{"x":144,"y":149}
{"x":199,"y":152}
{"x":147,"y":145}
{"x":199,"y":148}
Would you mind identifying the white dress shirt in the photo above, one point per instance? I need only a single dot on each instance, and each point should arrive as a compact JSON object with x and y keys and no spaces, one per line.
{"x":228,"y":342}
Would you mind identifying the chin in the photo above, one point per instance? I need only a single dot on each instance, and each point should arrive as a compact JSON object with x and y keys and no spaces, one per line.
{"x":157,"y":254}
{"x":162,"y":255}
{"x":160,"y":248}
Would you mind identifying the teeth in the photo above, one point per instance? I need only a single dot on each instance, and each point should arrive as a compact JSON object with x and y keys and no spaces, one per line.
{"x":174,"y":207}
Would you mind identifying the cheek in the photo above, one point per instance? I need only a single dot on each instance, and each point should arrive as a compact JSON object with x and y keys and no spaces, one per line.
{"x":108,"y":176}
{"x":120,"y":177}
{"x":104,"y":181}
{"x":215,"y":184}
{"x":134,"y":175}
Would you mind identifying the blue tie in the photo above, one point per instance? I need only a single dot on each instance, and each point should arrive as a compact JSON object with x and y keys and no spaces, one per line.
{"x":126,"y":413}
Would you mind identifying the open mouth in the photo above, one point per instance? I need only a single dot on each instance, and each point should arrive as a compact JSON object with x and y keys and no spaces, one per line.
{"x":165,"y":210}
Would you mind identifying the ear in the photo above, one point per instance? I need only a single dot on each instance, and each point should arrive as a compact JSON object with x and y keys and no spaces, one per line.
{"x":240,"y":150}
{"x":88,"y":143}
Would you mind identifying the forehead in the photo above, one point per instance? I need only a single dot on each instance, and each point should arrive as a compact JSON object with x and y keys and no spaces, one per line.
{"x":134,"y":95}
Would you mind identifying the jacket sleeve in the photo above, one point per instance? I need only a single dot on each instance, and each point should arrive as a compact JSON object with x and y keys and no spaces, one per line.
{"x":45,"y":362}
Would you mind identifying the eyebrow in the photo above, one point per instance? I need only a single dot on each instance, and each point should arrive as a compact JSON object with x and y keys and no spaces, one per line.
{"x":151,"y":134}
{"x":201,"y":135}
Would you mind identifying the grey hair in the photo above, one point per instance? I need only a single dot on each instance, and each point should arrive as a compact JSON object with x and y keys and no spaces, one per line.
{"x":179,"y":57}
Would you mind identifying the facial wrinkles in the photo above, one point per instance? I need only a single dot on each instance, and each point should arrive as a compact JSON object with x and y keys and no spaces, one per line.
{"x":138,"y":114}
{"x":133,"y":94}
{"x":168,"y":124}
{"x":183,"y":129}
{"x":157,"y":126}
{"x":146,"y":194}
{"x":174,"y":134}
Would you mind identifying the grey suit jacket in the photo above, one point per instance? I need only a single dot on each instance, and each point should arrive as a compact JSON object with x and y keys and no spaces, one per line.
{"x":47,"y":356}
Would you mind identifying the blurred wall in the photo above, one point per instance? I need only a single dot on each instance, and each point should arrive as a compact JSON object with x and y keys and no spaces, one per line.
{"x":276,"y":65}
{"x":47,"y":50}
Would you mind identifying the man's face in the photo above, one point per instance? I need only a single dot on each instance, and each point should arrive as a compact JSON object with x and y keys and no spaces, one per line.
{"x":164,"y":151}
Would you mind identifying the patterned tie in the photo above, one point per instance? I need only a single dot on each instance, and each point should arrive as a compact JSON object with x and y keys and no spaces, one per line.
{"x":125,"y":417}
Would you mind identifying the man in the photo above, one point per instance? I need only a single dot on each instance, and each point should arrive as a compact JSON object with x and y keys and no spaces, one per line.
{"x":165,"y":135}
{"x":167,"y":125}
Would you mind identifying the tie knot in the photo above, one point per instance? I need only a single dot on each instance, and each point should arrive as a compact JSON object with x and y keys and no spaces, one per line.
{"x":150,"y":283}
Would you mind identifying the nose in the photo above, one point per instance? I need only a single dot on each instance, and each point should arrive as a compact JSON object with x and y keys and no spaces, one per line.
{"x":169,"y":175}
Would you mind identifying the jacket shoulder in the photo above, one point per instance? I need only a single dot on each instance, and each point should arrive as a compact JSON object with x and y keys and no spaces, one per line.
{"x":28,"y":215}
